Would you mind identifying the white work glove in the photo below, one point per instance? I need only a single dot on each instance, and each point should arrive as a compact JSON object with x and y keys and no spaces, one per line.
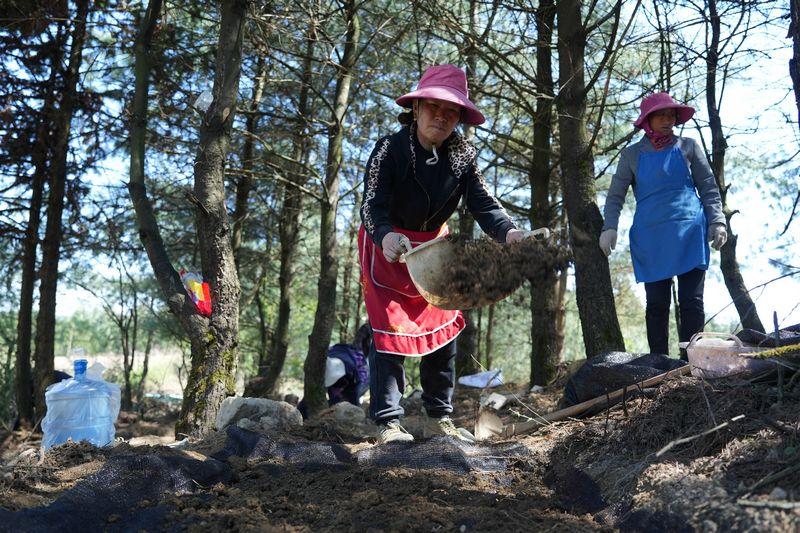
{"x":514,"y":235}
{"x":608,"y":241}
{"x":394,"y":245}
{"x":717,"y":235}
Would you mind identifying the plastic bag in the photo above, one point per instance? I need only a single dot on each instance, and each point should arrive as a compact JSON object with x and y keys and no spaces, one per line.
{"x":610,"y":371}
{"x":490,"y":378}
{"x":204,"y":100}
{"x":198,"y":290}
{"x":80,"y":408}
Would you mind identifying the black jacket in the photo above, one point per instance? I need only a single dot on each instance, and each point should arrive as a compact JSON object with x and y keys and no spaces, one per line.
{"x":395,"y":195}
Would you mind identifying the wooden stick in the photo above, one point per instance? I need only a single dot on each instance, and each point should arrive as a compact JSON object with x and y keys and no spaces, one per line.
{"x":780,"y":504}
{"x":531,"y":425}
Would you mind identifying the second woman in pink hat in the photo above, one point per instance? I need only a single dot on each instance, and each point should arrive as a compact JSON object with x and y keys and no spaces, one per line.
{"x":678,"y":210}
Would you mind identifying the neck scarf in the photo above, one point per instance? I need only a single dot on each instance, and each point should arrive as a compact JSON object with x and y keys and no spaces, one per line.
{"x":659,"y":140}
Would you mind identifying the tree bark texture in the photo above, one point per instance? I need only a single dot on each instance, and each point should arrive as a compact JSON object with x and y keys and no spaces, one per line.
{"x":489,"y":336}
{"x":348,"y":278}
{"x":467,"y":347}
{"x":466,"y":342}
{"x":51,"y":246}
{"x":214,"y":340}
{"x":318,"y":341}
{"x":544,"y":305}
{"x":748,"y":315}
{"x":23,"y":380}
{"x":596,"y":307}
{"x":794,"y":62}
{"x":289,"y":229}
{"x":214,"y":356}
{"x":148,"y":346}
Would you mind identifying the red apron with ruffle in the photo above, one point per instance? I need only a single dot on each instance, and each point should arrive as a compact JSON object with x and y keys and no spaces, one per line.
{"x":402,"y":321}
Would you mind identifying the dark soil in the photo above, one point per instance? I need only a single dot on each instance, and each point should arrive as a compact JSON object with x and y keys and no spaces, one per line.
{"x":598,"y":473}
{"x":493,"y":271}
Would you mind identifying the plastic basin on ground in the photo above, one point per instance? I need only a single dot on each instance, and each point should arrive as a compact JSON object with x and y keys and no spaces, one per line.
{"x":719,"y":355}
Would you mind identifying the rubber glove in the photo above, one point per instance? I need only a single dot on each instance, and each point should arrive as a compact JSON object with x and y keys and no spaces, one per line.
{"x":608,"y":241}
{"x":717,"y":235}
{"x":514,"y":235}
{"x":394,"y":245}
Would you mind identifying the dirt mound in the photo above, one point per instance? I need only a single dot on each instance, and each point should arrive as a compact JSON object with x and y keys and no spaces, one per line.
{"x":656,"y":463}
{"x":33,"y":479}
{"x":602,"y":472}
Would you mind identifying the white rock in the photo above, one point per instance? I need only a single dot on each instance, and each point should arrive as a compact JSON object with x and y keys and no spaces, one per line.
{"x":278,"y":415}
{"x":495,"y":401}
{"x":537,"y":389}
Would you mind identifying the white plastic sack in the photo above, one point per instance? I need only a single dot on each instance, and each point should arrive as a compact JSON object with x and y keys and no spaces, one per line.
{"x":489,"y":378}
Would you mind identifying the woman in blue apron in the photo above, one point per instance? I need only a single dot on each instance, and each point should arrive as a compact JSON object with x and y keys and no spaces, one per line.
{"x":678,"y":211}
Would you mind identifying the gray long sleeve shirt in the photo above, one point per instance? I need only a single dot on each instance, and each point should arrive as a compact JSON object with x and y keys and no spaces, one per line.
{"x":627,"y":167}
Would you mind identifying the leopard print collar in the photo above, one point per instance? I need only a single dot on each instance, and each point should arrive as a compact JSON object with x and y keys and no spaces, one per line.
{"x":460,"y":151}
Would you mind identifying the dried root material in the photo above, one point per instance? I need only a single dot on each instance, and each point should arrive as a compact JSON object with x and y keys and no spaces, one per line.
{"x":496,"y":270}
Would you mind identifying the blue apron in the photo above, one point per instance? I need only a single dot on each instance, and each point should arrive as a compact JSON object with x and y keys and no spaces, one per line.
{"x":669,"y":232}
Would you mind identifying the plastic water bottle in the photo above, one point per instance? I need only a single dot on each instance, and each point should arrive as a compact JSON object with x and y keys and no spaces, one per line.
{"x":79,"y":409}
{"x":204,"y":101}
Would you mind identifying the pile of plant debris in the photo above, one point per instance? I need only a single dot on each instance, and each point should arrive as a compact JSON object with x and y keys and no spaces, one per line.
{"x":496,"y":270}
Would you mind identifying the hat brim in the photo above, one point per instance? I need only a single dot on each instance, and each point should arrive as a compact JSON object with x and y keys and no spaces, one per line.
{"x":683,"y":113}
{"x":470,"y":115}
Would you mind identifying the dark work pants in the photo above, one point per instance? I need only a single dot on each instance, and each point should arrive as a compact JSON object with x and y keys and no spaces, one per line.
{"x":690,"y":300}
{"x":387,"y":379}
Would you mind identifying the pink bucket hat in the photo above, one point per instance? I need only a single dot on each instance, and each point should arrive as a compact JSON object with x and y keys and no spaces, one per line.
{"x":448,"y":83}
{"x":657,"y":102}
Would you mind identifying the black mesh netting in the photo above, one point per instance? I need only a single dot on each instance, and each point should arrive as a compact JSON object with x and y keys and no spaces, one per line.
{"x":115,"y":491}
{"x":610,"y":371}
{"x":436,"y":453}
{"x":110,"y":499}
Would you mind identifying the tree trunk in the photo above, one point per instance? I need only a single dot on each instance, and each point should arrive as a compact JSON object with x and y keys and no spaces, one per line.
{"x":129,"y":330}
{"x":561,"y":310}
{"x":596,"y":307}
{"x":148,"y":346}
{"x":245,"y":183}
{"x":127,"y":364}
{"x":318,"y":341}
{"x":544,"y":303}
{"x":23,"y":378}
{"x":288,"y":231}
{"x":794,"y":62}
{"x":489,"y":335}
{"x":348,"y":277}
{"x":214,"y":340}
{"x":214,"y":355}
{"x":729,"y":265}
{"x":466,"y":343}
{"x":358,"y":298}
{"x":51,"y":247}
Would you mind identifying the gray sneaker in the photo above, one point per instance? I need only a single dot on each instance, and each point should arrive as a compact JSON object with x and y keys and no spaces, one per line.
{"x":445,"y":426}
{"x":392,"y":431}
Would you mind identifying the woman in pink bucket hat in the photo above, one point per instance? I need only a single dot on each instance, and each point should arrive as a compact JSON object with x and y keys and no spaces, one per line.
{"x":415,"y":179}
{"x":678,"y":211}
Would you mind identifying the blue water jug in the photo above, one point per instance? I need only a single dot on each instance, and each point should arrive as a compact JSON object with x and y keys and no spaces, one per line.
{"x":80,"y":409}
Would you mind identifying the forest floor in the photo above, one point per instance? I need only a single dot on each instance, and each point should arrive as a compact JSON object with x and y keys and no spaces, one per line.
{"x":601,"y":472}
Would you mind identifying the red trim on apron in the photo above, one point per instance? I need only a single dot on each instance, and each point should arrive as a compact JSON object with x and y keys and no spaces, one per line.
{"x":403,"y":323}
